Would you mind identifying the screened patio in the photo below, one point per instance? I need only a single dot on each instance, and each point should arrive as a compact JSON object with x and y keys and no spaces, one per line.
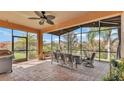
{"x":34,"y":47}
{"x":102,"y":37}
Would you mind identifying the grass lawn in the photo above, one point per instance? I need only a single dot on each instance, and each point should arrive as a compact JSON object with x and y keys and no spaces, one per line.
{"x":19,"y":55}
{"x":22,"y":55}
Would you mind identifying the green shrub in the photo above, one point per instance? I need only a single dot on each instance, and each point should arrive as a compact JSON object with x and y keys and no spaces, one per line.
{"x":117,"y":71}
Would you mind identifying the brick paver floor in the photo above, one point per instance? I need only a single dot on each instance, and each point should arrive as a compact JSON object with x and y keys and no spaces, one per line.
{"x":45,"y":71}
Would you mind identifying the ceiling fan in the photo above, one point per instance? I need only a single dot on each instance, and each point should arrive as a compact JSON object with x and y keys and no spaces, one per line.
{"x":42,"y":17}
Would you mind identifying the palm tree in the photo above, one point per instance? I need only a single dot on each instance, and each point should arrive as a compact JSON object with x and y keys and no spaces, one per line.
{"x":70,"y":41}
{"x":106,"y":36}
{"x":92,"y":41}
{"x":105,"y":39}
{"x":109,"y":39}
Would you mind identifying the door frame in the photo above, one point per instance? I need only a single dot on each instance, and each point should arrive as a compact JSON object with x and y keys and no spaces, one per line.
{"x":26,"y":50}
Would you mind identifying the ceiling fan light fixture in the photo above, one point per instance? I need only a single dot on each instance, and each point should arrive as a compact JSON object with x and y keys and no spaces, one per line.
{"x":41,"y":22}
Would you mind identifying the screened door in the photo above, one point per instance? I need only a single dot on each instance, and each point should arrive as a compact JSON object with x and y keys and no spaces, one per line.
{"x":20,"y":48}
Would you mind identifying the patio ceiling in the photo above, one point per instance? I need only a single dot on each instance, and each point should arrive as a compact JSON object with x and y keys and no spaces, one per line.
{"x":64,"y":19}
{"x":86,"y":18}
{"x":21,"y":17}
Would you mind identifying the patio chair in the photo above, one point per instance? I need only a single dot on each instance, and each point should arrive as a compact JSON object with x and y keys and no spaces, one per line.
{"x":56,"y":56}
{"x":85,"y":56}
{"x":62,"y":59}
{"x":77,"y":60}
{"x":69,"y":60}
{"x":89,"y":61}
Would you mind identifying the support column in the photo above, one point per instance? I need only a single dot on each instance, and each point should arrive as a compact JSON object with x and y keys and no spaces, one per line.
{"x":40,"y":46}
{"x":122,"y":35}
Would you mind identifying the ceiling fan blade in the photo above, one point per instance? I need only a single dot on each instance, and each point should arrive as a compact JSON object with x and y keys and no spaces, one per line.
{"x":50,"y":22}
{"x":41,"y":22}
{"x":50,"y":17}
{"x":43,"y":12}
{"x":38,"y":13}
{"x":35,"y":18}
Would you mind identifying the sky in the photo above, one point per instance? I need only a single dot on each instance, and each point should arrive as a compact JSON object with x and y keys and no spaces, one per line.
{"x":6,"y":34}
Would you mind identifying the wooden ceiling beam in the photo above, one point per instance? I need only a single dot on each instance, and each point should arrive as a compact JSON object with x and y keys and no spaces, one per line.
{"x":17,"y":27}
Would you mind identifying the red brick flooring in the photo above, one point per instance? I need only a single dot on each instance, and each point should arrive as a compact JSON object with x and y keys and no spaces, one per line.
{"x":45,"y":71}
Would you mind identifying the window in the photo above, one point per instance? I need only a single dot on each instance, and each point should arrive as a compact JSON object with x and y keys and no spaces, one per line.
{"x":93,"y":37}
{"x":47,"y":42}
{"x":75,"y":41}
{"x":19,"y":33}
{"x":90,"y":43}
{"x":32,"y":46}
{"x":20,"y":48}
{"x":55,"y":43}
{"x":19,"y":44}
{"x":23,"y":44}
{"x":64,"y":43}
